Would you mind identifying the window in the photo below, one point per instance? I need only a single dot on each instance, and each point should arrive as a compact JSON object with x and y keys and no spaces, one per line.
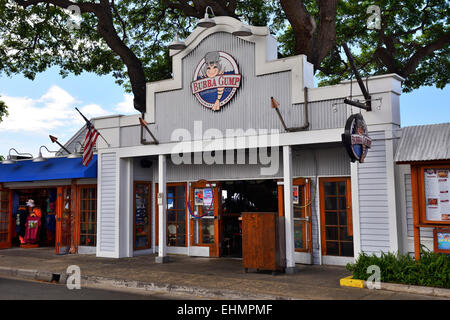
{"x":88,"y":215}
{"x":176,"y":215}
{"x":336,"y":217}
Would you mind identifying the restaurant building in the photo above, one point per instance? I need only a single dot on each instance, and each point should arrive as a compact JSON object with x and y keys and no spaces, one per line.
{"x":239,"y":130}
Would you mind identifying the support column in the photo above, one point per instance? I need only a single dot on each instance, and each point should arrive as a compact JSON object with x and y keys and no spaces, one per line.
{"x":162,"y":203}
{"x":288,"y":210}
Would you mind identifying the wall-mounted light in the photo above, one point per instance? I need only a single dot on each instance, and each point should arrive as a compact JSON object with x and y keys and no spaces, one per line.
{"x":243,"y":31}
{"x":177,"y":44}
{"x":207,"y":22}
{"x":75,"y":153}
{"x":10,"y":160}
{"x":40,"y":158}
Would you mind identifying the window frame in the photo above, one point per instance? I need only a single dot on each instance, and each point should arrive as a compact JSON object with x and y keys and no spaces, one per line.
{"x":349,"y":213}
{"x":79,"y":214}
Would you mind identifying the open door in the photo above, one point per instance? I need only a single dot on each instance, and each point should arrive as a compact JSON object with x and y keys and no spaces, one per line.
{"x":5,"y":218}
{"x":63,"y":220}
{"x":204,"y":211}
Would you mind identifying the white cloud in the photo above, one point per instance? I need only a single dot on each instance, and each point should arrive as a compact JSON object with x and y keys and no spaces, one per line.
{"x":126,"y":106}
{"x":54,"y":110}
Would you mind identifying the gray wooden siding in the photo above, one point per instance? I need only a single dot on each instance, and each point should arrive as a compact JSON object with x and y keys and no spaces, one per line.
{"x":108,"y":202}
{"x":142,"y":174}
{"x":424,"y":232}
{"x":373,"y":198}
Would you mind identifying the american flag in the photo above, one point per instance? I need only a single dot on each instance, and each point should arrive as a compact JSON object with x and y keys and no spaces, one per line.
{"x":89,"y":143}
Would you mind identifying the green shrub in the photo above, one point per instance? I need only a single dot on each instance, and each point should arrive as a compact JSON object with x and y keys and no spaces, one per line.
{"x":432,"y":269}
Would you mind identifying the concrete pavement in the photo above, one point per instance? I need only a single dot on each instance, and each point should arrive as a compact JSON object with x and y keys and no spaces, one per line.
{"x":215,"y":278}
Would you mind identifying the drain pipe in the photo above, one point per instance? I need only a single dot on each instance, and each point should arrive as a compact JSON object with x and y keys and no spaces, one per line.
{"x":275,"y":106}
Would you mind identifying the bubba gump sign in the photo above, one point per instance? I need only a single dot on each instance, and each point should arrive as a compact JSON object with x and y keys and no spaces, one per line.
{"x":216,"y":80}
{"x":356,"y":138}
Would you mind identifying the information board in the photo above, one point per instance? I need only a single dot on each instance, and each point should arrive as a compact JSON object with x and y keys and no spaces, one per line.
{"x":437,"y":196}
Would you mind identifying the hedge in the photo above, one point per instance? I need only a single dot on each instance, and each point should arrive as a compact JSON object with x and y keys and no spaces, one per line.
{"x":432,"y":269}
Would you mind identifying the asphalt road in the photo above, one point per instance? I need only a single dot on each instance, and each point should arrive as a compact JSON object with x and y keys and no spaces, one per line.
{"x":13,"y":289}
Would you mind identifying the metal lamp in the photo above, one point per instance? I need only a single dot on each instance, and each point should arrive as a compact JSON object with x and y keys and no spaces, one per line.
{"x":177,"y":44}
{"x":40,"y":158}
{"x":243,"y":31}
{"x":10,"y":160}
{"x":76,"y":154}
{"x":207,"y":22}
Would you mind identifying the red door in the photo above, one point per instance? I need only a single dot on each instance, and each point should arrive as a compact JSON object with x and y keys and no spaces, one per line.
{"x":5,"y":218}
{"x":63,"y":220}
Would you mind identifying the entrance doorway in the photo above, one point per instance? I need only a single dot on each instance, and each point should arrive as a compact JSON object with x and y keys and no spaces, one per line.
{"x":239,"y":197}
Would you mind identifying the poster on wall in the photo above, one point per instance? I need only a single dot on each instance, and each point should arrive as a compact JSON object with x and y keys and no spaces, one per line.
{"x":198,"y":197}
{"x":437,"y":195}
{"x":295,"y":199}
{"x":207,"y":197}
{"x":441,"y":240}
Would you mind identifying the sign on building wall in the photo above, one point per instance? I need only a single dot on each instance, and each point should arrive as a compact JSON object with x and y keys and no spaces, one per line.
{"x":356,"y":138}
{"x":437,"y":194}
{"x":216,"y":80}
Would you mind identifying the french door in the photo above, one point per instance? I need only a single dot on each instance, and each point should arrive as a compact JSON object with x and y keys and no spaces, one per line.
{"x":204,"y":211}
{"x":63,"y":220}
{"x":5,"y":218}
{"x":336,"y":217}
{"x":302,"y":215}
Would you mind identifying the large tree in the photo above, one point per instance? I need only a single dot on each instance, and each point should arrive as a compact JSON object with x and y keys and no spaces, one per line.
{"x":3,"y":110}
{"x":129,"y":38}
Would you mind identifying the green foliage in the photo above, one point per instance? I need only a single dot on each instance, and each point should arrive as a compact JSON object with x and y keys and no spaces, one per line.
{"x":432,"y":269}
{"x":37,"y":38}
{"x":407,"y":28}
{"x":3,"y":110}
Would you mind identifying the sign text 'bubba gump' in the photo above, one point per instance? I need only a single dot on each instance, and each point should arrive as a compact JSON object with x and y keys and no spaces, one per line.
{"x":216,"y":80}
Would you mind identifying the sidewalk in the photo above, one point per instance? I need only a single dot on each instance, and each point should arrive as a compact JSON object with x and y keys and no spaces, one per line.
{"x":215,"y":278}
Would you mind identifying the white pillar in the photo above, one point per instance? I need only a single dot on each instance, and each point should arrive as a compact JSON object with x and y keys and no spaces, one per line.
{"x":288,"y":209}
{"x":162,"y":203}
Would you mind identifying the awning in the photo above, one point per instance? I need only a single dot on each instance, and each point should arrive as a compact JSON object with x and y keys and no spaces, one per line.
{"x":52,"y":169}
{"x":424,"y":143}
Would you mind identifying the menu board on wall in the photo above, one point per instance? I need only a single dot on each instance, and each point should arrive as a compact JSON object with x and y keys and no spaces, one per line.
{"x":437,"y":194}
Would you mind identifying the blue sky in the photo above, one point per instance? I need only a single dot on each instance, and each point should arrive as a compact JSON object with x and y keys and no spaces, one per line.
{"x":46,"y":106}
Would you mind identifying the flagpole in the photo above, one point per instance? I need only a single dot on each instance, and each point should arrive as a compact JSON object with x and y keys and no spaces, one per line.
{"x":85,"y":119}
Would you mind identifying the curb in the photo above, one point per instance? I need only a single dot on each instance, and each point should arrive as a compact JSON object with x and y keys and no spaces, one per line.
{"x":396,"y":287}
{"x":93,"y":281}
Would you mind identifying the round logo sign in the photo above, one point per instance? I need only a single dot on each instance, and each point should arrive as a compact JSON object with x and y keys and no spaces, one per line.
{"x":356,"y":138}
{"x":216,"y":80}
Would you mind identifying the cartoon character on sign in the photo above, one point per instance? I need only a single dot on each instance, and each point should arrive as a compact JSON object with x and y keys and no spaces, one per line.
{"x":216,"y":80}
{"x":213,"y":68}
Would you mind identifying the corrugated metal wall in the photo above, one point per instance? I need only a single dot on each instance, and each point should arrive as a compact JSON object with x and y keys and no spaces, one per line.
{"x":250,"y":107}
{"x":373,"y":198}
{"x":108,"y":202}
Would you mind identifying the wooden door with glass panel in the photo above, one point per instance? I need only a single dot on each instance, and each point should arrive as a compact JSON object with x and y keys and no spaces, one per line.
{"x":63,"y":220}
{"x":204,"y":207}
{"x":302,"y":215}
{"x":5,"y":218}
{"x":336,"y":217}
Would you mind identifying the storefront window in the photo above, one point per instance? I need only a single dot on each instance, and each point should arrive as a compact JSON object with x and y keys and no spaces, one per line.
{"x":88,"y":216}
{"x":299,"y":216}
{"x":176,"y":216}
{"x":204,"y":228}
